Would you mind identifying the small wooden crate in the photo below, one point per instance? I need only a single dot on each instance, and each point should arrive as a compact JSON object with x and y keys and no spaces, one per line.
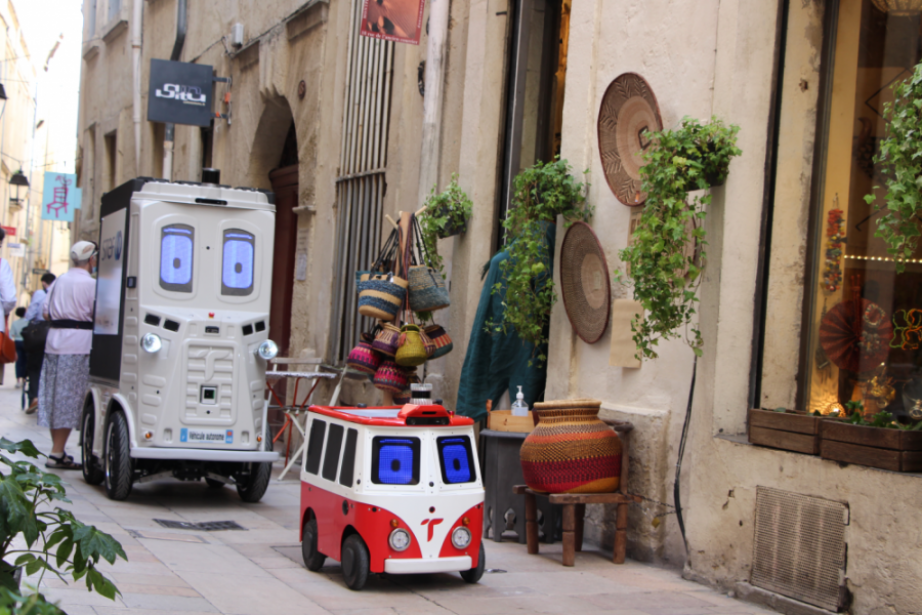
{"x":503,"y":420}
{"x":790,"y":432}
{"x":877,"y":447}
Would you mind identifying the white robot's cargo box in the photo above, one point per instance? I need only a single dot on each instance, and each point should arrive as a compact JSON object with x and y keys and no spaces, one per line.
{"x":180,"y":337}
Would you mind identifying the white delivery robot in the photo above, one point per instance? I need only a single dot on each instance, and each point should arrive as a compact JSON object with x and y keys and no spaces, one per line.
{"x":180,"y":337}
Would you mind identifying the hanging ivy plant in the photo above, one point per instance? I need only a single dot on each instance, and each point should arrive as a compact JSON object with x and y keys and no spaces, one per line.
{"x":666,"y":255}
{"x":899,"y":156}
{"x":540,"y":194}
{"x":446,"y":214}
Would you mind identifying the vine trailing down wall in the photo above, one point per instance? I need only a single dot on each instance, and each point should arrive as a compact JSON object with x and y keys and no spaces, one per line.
{"x":666,"y":255}
{"x":899,"y":158}
{"x":540,"y":194}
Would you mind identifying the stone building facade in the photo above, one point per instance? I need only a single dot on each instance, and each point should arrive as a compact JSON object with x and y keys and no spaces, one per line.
{"x":523,"y":80}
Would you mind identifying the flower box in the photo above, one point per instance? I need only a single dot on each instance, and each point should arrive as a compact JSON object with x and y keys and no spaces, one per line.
{"x":877,"y":447}
{"x":789,"y":431}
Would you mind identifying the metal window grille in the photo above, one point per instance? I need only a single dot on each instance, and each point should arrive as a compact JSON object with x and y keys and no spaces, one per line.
{"x":360,"y":186}
{"x":799,"y":547}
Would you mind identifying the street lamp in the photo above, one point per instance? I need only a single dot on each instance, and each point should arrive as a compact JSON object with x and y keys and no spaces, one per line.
{"x":18,"y":179}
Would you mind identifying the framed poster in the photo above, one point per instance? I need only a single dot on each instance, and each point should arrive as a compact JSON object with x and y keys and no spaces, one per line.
{"x":400,"y":21}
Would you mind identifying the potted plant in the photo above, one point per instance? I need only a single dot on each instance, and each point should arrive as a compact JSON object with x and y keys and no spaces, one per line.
{"x":878,"y":441}
{"x":666,"y":255}
{"x":445,"y":215}
{"x":540,"y":194}
{"x":898,"y":224}
{"x":55,"y":541}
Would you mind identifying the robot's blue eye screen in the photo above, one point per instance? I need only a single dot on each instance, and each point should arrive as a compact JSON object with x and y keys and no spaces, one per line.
{"x":238,"y":262}
{"x":176,"y":254}
{"x":456,"y":459}
{"x":395,"y":461}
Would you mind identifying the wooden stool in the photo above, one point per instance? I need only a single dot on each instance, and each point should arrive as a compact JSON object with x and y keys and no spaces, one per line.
{"x":574,"y":509}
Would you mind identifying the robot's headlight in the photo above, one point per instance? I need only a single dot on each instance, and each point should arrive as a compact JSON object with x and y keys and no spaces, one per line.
{"x":399,"y":539}
{"x":461,"y":537}
{"x":267,"y":350}
{"x":151,"y":343}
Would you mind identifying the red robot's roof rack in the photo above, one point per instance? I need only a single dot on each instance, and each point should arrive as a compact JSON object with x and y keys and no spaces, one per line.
{"x":409,"y":415}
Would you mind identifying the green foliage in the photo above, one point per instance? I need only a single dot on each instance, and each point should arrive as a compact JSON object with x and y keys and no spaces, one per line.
{"x":16,"y":603}
{"x":883,"y":420}
{"x":55,"y":540}
{"x":444,"y":212}
{"x":540,"y":194}
{"x":664,"y":276}
{"x":901,"y":159}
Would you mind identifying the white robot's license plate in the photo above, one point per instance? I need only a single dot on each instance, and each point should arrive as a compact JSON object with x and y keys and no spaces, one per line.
{"x":213,"y":436}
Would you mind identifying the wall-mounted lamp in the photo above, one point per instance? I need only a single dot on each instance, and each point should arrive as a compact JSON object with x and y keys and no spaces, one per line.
{"x":18,"y":179}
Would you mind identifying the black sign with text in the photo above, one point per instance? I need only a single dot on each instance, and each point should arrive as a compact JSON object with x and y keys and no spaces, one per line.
{"x":180,"y":93}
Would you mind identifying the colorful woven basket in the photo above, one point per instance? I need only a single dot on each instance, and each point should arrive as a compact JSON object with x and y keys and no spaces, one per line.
{"x":390,"y":377}
{"x":386,"y":340}
{"x":381,"y":296}
{"x":428,"y":344}
{"x":363,"y":357}
{"x":571,"y":450}
{"x":439,"y":337}
{"x":427,"y":289}
{"x":412,"y":350}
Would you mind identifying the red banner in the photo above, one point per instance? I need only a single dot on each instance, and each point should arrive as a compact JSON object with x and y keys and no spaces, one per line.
{"x":400,"y":21}
{"x":10,"y":230}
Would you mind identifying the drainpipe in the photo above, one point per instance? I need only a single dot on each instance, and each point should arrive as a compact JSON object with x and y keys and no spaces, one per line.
{"x":137,"y":14}
{"x":432,"y":102}
{"x":182,"y":19}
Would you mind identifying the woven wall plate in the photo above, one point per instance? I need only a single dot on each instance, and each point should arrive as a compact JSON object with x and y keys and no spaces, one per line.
{"x":628,"y":115}
{"x":584,"y":282}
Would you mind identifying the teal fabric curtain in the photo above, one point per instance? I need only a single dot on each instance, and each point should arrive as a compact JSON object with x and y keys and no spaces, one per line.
{"x":495,"y":362}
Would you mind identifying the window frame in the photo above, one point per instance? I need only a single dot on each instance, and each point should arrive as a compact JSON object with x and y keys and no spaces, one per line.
{"x":231,"y":291}
{"x":469,"y":449}
{"x":416,"y":446}
{"x":186,"y":288}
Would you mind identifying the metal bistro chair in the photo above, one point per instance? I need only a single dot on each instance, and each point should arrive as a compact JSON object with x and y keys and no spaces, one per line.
{"x":294,"y":412}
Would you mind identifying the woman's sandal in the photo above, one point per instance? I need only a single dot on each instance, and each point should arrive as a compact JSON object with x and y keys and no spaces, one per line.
{"x":64,"y":462}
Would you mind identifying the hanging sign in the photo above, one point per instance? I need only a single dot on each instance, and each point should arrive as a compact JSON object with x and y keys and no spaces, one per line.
{"x":180,"y":93}
{"x":400,"y":21}
{"x":16,"y":250}
{"x":9,"y":230}
{"x":59,"y":197}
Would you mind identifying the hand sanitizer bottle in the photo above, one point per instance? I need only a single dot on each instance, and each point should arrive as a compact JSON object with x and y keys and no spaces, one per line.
{"x":519,"y":407}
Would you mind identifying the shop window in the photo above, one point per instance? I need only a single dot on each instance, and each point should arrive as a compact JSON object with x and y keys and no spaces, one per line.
{"x":863,"y":327}
{"x":237,"y":262}
{"x":176,"y":254}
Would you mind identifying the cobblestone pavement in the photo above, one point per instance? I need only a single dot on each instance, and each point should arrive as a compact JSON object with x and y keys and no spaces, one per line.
{"x":260,"y":571}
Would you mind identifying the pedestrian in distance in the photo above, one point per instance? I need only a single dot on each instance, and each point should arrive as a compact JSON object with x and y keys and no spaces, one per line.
{"x":34,"y":339}
{"x":66,"y":367}
{"x":7,"y":293}
{"x":16,"y":333}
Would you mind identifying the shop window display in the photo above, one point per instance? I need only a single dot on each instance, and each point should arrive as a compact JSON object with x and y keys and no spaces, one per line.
{"x":865,"y":318}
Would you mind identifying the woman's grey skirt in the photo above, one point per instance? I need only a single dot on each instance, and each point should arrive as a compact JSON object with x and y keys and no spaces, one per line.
{"x":62,"y":389}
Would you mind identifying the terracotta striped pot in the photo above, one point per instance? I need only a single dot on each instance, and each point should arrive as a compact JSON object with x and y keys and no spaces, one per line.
{"x":571,"y":450}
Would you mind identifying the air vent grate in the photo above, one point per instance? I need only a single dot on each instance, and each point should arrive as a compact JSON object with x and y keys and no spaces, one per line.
{"x":208,"y":526}
{"x":799,"y":547}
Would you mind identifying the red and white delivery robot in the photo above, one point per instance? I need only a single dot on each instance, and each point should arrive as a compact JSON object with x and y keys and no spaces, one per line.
{"x":395,"y":490}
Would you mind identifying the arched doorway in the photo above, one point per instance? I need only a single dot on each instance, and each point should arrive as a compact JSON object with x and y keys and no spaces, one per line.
{"x":276,"y":168}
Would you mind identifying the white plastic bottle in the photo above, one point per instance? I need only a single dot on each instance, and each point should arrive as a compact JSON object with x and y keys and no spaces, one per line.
{"x":519,"y":407}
